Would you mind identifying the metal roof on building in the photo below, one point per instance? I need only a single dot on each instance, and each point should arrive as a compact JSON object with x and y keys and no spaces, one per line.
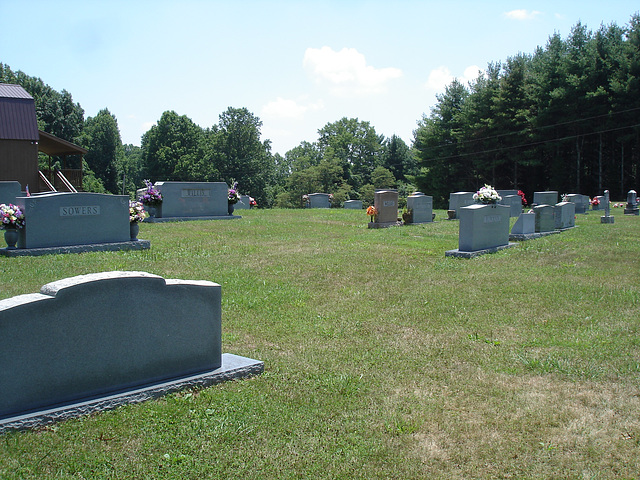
{"x":9,"y":90}
{"x":18,"y":119}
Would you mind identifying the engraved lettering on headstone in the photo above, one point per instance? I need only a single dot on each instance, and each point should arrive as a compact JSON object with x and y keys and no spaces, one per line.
{"x":80,"y":210}
{"x":389,"y":203}
{"x":492,"y":218}
{"x":195,"y":192}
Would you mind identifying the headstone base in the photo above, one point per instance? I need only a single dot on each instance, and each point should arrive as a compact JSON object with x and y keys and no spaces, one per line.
{"x":462,"y":254}
{"x":520,"y":237}
{"x":607,"y":219}
{"x":94,"y":247}
{"x":631,"y":211}
{"x":383,"y":224}
{"x":189,"y":219}
{"x":233,"y":367}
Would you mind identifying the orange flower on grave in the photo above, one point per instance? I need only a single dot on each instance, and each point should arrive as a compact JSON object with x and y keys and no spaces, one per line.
{"x":372,"y":211}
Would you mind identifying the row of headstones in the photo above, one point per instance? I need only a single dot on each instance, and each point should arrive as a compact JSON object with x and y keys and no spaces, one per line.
{"x":386,"y":203}
{"x":511,"y":198}
{"x":60,"y":219}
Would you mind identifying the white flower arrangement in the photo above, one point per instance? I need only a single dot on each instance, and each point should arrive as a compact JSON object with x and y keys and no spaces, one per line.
{"x":136,"y":212}
{"x":487,"y":195}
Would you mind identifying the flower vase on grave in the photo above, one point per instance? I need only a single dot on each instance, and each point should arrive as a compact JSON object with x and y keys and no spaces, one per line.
{"x":230,"y":209}
{"x":154,"y":211}
{"x":11,"y":237}
{"x":134,"y":228}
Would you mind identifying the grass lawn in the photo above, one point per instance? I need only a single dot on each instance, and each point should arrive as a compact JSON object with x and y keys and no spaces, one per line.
{"x":383,"y":358}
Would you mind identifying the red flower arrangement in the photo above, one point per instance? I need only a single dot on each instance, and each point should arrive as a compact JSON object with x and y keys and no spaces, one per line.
{"x":524,"y":200}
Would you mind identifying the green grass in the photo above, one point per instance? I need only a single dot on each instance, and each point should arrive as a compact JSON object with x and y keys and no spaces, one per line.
{"x":383,"y":358}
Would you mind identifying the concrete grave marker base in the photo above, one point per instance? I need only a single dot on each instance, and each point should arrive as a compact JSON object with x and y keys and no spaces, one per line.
{"x":459,"y":253}
{"x":189,"y":219}
{"x":607,"y":219}
{"x":383,"y":224}
{"x":233,"y":367}
{"x":94,"y":247}
{"x":519,"y":237}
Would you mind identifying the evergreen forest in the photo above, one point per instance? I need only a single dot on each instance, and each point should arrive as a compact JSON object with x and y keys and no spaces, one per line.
{"x":565,"y":117}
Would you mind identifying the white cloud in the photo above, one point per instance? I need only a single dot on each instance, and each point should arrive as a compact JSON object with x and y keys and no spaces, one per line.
{"x":287,"y":108}
{"x":347,"y":71}
{"x":441,"y":77}
{"x":522,"y":14}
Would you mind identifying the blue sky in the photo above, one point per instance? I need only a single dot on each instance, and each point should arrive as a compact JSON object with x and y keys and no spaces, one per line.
{"x":297,"y":65}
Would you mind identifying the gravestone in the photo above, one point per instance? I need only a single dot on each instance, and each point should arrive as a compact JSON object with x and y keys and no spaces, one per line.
{"x":244,"y":203}
{"x":421,"y":207}
{"x":353,"y":204}
{"x":514,"y":202}
{"x":524,"y":227}
{"x":319,"y":200}
{"x":79,"y":345}
{"x":457,"y":200}
{"x":545,"y":198}
{"x":65,"y":218}
{"x":193,"y":199}
{"x":386,"y":203}
{"x":505,"y":193}
{"x":607,"y":218}
{"x":580,"y":201}
{"x":483,"y":227}
{"x":631,"y":208}
{"x":545,"y":218}
{"x":565,"y":215}
{"x":600,"y":205}
{"x":9,"y":191}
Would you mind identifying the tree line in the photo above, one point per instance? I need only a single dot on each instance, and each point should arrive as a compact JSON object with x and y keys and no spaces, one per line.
{"x":349,"y":159}
{"x":564,"y":118}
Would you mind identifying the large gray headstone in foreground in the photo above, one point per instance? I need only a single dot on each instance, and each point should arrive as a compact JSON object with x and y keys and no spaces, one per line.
{"x":9,"y":191}
{"x":88,"y":336}
{"x":85,"y":344}
{"x":64,"y":218}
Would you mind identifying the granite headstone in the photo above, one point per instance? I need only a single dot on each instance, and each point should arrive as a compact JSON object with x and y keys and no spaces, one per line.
{"x":421,"y":207}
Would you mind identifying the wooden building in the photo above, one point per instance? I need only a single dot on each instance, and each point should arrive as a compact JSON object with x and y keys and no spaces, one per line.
{"x":20,"y":142}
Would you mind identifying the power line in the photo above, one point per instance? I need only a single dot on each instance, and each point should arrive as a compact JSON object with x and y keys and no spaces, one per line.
{"x":543,"y":127}
{"x":532,"y":144}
